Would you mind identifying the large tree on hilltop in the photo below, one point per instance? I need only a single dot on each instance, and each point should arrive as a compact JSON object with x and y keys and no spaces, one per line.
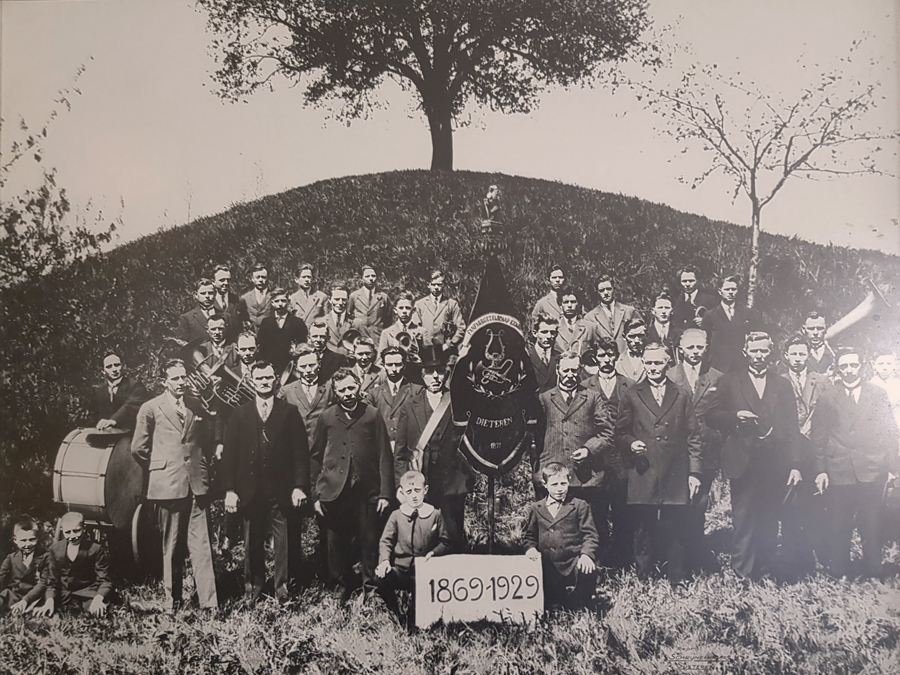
{"x":499,"y":53}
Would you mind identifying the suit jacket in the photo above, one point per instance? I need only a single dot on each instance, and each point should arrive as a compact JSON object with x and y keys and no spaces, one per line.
{"x":563,"y":539}
{"x":825,"y":365}
{"x":446,"y":471}
{"x":370,"y":318}
{"x":579,"y":337}
{"x":229,"y":350}
{"x":370,"y":379}
{"x":192,"y":325}
{"x":262,"y":459}
{"x":854,"y":442}
{"x":336,"y":330}
{"x":174,"y":455}
{"x":252,"y":311}
{"x":390,"y":406}
{"x":309,"y":307}
{"x":230,"y":312}
{"x":27,"y":583}
{"x":701,"y":399}
{"x":615,"y":328}
{"x":309,"y":409}
{"x":352,"y":447}
{"x":726,"y":337}
{"x":89,"y":572}
{"x":611,"y":402}
{"x":544,"y":374}
{"x":778,"y":451}
{"x":275,"y":343}
{"x":389,"y":335}
{"x":630,"y":368}
{"x":672,"y":436}
{"x":123,"y":409}
{"x":329,"y":362}
{"x":683,"y":311}
{"x":433,"y":315}
{"x":547,"y":305}
{"x":563,"y":428}
{"x":670,"y":342}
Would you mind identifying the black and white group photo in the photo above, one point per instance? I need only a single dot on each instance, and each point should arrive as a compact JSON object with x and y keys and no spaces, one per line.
{"x":449,"y":337}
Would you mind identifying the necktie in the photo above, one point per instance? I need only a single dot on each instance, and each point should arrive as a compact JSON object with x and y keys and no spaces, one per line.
{"x":179,"y":410}
{"x":658,"y":393}
{"x":264,"y":409}
{"x":850,"y":391}
{"x":112,"y":394}
{"x":691,"y":377}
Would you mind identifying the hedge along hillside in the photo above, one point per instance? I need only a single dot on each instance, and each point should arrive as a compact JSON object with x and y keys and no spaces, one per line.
{"x":404,"y":223}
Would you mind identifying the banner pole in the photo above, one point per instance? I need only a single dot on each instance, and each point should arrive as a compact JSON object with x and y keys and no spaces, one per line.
{"x":490,"y":515}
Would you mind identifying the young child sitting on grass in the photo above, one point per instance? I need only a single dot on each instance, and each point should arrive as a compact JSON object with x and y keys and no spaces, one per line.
{"x":22,"y":571}
{"x":415,"y":530}
{"x":77,"y":571}
{"x":561,"y":532}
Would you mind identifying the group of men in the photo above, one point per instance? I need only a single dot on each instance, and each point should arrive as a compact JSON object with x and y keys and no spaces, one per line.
{"x":346,"y":392}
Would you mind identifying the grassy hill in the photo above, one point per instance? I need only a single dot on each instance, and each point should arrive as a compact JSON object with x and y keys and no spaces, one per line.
{"x":55,"y":332}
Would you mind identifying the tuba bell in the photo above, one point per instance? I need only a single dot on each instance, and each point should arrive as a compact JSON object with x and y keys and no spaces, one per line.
{"x":873,"y":303}
{"x":211,"y":379}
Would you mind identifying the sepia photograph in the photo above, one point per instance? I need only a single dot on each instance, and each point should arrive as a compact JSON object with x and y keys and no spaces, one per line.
{"x":450,"y":337}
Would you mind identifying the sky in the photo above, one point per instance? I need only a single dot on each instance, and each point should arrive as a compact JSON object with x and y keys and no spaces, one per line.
{"x":148,"y":132}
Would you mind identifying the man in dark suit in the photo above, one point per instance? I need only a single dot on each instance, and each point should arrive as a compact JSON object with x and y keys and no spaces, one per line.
{"x":755,"y":411}
{"x":630,"y":363}
{"x":265,"y":474}
{"x":369,"y":373}
{"x":256,"y":304}
{"x":192,"y":324}
{"x":278,"y":332}
{"x":393,"y":390}
{"x":661,"y":329}
{"x":226,"y":302}
{"x":821,"y":356}
{"x":607,"y":382}
{"x":352,"y":471}
{"x":543,"y":352}
{"x":551,"y":304}
{"x":171,"y":440}
{"x":575,"y":332}
{"x":370,"y":310}
{"x":115,"y":403}
{"x":329,"y":361}
{"x":726,"y":324}
{"x":218,"y":347}
{"x":855,"y":442}
{"x":609,"y":314}
{"x":694,"y":375}
{"x":657,"y":433}
{"x":691,"y":299}
{"x":575,"y":429}
{"x":426,"y":442}
{"x":337,"y":319}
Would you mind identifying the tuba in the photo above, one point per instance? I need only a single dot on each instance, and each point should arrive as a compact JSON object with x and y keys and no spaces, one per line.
{"x":873,"y":303}
{"x":211,"y":379}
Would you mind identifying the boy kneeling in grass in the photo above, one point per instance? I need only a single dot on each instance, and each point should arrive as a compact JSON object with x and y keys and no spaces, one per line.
{"x":77,"y":571}
{"x":561,"y":532}
{"x":415,"y":530}
{"x":22,"y":572}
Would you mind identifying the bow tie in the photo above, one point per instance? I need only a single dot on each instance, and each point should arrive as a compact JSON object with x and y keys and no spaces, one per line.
{"x":756,"y":375}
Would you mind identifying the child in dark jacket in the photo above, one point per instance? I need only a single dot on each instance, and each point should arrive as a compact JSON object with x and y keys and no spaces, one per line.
{"x":22,"y":571}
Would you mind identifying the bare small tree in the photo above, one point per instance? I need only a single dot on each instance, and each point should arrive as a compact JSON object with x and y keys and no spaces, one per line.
{"x":759,"y":141}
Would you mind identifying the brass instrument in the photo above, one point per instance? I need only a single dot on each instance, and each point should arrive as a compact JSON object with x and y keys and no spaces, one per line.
{"x":211,"y":380}
{"x":410,"y":344}
{"x":349,"y":338}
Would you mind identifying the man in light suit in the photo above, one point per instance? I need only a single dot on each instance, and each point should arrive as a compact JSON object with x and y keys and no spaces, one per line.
{"x":551,"y":304}
{"x":256,"y":304}
{"x":685,"y":305}
{"x":693,"y":374}
{"x":265,"y":475}
{"x":353,"y":478}
{"x":440,"y":317}
{"x":369,"y":373}
{"x":727,"y":324}
{"x":576,"y":430}
{"x":407,"y":322}
{"x":171,"y":440}
{"x":447,"y":473}
{"x":756,"y":413}
{"x":370,"y":310}
{"x":542,"y":351}
{"x":337,"y":319}
{"x":610,"y":315}
{"x":575,"y":333}
{"x":630,"y":362}
{"x":658,"y":435}
{"x":393,"y":390}
{"x":115,"y":403}
{"x":192,"y":324}
{"x":821,"y":356}
{"x":226,"y":302}
{"x":306,"y":304}
{"x":855,"y":443}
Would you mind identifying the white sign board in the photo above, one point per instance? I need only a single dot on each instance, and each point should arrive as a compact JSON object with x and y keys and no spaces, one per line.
{"x":478,"y":587}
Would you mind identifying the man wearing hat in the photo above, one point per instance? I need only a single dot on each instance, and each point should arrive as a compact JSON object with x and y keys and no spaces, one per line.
{"x":426,"y":442}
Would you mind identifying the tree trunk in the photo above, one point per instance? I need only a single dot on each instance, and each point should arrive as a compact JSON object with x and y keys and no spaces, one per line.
{"x":754,"y":255}
{"x":440,"y":122}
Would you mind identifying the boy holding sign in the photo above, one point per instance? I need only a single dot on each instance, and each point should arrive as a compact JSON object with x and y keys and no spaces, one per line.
{"x":561,"y":530}
{"x":415,"y":530}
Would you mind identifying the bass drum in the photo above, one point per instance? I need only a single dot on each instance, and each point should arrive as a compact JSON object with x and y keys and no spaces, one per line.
{"x":96,"y":476}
